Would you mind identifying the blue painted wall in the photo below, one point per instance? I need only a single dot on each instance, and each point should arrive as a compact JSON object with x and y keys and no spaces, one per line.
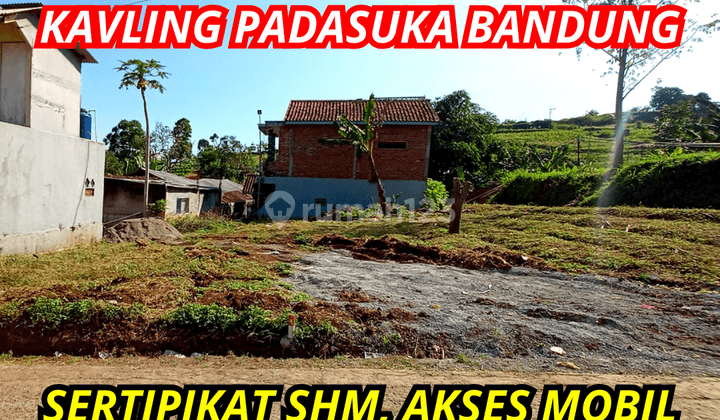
{"x":305,"y":191}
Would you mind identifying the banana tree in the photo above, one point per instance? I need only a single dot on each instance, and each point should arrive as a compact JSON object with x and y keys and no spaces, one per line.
{"x":364,"y":139}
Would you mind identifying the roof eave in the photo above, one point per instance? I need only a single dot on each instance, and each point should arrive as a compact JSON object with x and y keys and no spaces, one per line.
{"x":85,"y":56}
{"x":362,"y":122}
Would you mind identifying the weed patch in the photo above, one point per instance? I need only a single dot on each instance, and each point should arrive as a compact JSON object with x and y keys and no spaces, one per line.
{"x":203,"y":224}
{"x":211,"y":316}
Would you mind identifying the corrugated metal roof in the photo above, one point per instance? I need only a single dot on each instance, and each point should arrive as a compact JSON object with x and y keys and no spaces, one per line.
{"x":172,"y":180}
{"x":5,"y":12}
{"x":19,"y":5}
{"x":404,"y":110}
{"x":236,"y":197}
{"x":223,"y":184}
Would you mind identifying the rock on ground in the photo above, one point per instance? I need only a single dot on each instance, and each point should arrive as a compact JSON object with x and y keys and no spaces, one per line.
{"x":143,"y":229}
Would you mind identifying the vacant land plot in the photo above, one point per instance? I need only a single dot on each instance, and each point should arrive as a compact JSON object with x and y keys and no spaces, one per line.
{"x":515,"y":283}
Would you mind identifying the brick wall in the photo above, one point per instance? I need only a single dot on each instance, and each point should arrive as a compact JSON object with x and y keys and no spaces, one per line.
{"x":313,"y":159}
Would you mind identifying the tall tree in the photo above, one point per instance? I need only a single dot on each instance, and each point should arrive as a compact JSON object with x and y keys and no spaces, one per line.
{"x":225,"y":157}
{"x":687,"y":118}
{"x":663,"y":96}
{"x":125,"y":142}
{"x":143,"y":75}
{"x":113,"y":166}
{"x":181,"y":149}
{"x":465,"y":137}
{"x":161,"y":141}
{"x":633,"y":66}
{"x":364,"y":139}
{"x":676,"y":122}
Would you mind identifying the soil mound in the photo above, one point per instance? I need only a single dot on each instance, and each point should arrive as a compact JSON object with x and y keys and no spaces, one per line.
{"x":388,"y":248}
{"x":142,"y":229}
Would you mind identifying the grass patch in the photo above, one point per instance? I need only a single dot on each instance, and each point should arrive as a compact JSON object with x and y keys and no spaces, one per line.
{"x":88,"y":265}
{"x":283,"y":268}
{"x":676,"y":246}
{"x":253,"y":286}
{"x":203,"y":224}
{"x":596,"y":141}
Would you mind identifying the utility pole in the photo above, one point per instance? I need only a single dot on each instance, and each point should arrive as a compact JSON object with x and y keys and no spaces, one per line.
{"x":257,"y":182}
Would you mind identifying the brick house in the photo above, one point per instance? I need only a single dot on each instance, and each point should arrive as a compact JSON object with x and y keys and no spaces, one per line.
{"x":304,"y":162}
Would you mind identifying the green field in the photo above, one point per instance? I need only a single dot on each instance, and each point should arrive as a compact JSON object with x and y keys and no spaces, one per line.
{"x":596,"y":143}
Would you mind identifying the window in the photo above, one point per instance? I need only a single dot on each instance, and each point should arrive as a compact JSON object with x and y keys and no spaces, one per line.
{"x":183,"y":205}
{"x":398,"y":145}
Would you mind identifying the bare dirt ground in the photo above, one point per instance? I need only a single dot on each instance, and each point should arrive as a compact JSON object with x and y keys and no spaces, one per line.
{"x":513,"y":318}
{"x":445,"y":321}
{"x":22,"y":383}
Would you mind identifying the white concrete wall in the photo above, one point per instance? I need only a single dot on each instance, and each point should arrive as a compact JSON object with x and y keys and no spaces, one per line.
{"x":55,"y":93}
{"x":43,"y":206}
{"x":52,"y":81}
{"x":194,"y":202}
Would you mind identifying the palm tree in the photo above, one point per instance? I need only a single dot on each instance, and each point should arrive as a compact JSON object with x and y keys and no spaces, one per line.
{"x":363,"y":139}
{"x":143,"y":75}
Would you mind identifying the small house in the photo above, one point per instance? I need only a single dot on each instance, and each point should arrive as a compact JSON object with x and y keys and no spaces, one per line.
{"x":124,"y":194}
{"x":316,"y":174}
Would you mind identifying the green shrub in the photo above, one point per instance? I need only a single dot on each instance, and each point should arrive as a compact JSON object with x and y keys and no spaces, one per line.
{"x":159,"y":206}
{"x":255,"y":318}
{"x":675,"y":181}
{"x":302,"y":239}
{"x":204,"y":316}
{"x":53,"y":312}
{"x":350,"y":213}
{"x":556,"y":188}
{"x":112,"y":311}
{"x":9,"y":311}
{"x":436,"y":194}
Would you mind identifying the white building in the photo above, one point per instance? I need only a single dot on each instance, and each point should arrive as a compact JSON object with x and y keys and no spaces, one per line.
{"x":51,"y":180}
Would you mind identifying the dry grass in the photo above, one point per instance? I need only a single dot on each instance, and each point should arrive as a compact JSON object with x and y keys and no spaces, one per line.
{"x":677,"y":247}
{"x":672,"y":246}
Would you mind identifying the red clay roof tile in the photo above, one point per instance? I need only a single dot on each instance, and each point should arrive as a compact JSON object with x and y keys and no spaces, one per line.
{"x":389,"y":110}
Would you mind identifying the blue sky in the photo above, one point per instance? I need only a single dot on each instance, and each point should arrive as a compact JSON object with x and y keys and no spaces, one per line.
{"x":220,"y":90}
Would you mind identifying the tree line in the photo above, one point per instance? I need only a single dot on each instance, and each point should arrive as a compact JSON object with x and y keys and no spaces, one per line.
{"x":171,"y":150}
{"x":685,"y":118}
